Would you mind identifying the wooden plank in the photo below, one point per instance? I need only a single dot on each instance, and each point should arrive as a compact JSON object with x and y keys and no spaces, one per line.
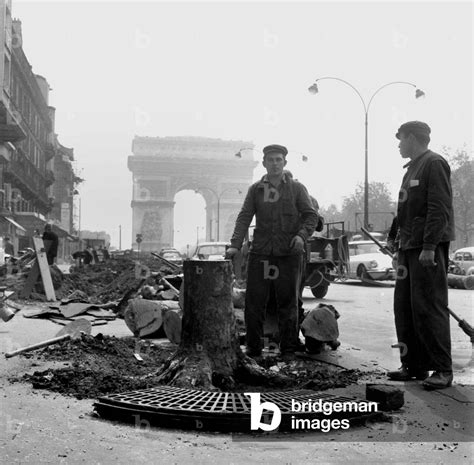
{"x":32,"y":278}
{"x":44,"y":269}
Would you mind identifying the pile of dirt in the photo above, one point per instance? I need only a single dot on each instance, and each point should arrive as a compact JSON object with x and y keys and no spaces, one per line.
{"x":103,"y":365}
{"x":98,"y":365}
{"x":102,"y":282}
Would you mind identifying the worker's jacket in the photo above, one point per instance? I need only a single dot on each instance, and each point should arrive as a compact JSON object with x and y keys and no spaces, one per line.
{"x":425,"y":205}
{"x":281,"y":213}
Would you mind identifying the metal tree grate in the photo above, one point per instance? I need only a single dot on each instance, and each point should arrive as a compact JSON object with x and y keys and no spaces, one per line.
{"x":174,"y":407}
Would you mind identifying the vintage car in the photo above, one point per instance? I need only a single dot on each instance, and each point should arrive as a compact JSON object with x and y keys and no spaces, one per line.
{"x":210,"y":251}
{"x":463,"y":261}
{"x":172,"y":255}
{"x":367,"y":262}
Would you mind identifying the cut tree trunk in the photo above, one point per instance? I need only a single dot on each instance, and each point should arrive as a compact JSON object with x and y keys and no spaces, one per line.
{"x":209,"y":355}
{"x":461,"y":281}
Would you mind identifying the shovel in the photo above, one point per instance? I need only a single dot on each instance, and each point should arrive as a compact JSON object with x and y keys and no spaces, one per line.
{"x":71,"y":331}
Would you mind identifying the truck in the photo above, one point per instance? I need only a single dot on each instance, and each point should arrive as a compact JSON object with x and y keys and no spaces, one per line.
{"x":327,"y":259}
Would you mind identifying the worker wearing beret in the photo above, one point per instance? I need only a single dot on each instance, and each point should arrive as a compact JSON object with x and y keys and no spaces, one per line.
{"x":425,"y":228}
{"x":285,"y":218}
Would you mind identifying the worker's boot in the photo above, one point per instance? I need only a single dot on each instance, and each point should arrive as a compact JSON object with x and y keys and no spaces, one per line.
{"x":438,"y":380}
{"x":405,"y":374}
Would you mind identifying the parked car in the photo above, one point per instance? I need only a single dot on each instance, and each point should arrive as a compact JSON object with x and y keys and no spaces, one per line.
{"x":463,"y":261}
{"x":210,"y":251}
{"x":366,"y":261}
{"x":359,"y":237}
{"x":172,"y":255}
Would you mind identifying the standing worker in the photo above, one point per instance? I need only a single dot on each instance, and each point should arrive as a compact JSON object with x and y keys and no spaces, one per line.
{"x":425,"y":228}
{"x":52,"y":237}
{"x":95,"y":254}
{"x":285,"y":218}
{"x":105,"y":254}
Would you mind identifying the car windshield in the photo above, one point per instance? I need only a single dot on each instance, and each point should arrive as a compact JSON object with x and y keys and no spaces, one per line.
{"x":206,"y":250}
{"x":359,"y":249}
{"x":463,"y":256}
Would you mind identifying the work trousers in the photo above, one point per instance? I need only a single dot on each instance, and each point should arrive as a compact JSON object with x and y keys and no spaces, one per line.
{"x":284,"y":274}
{"x":421,"y":311}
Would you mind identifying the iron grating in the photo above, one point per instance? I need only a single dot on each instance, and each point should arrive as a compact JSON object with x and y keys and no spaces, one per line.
{"x":173,"y":407}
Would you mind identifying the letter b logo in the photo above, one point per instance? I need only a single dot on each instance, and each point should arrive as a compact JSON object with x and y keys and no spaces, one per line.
{"x":270,"y":194}
{"x":270,"y":271}
{"x":256,"y":412}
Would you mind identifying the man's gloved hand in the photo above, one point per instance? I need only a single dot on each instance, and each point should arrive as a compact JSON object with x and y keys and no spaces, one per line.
{"x":231,"y":252}
{"x":297,"y":243}
{"x":426,"y":258}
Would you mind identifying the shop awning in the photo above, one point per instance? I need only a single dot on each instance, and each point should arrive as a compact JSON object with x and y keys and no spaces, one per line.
{"x":14,"y":223}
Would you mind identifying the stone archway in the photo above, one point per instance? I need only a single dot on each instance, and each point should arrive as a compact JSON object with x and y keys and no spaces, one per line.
{"x":164,"y":166}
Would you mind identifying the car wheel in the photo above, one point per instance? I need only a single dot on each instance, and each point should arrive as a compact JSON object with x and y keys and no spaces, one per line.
{"x":319,"y":291}
{"x":362,"y":273}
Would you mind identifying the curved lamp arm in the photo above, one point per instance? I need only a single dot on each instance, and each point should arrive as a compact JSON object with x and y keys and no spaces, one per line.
{"x":314,"y":88}
{"x":419,"y":93}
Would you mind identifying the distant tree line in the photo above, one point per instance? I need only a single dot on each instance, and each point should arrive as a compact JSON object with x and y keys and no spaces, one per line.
{"x":381,"y":201}
{"x":382,"y":208}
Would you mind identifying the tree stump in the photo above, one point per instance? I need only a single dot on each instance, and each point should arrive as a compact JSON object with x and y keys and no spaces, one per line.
{"x":209,"y":355}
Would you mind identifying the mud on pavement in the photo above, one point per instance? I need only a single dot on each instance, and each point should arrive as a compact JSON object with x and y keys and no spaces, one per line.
{"x":93,"y":366}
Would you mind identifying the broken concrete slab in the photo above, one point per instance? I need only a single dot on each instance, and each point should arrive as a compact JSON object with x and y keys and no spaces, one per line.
{"x":388,"y":397}
{"x":144,"y":317}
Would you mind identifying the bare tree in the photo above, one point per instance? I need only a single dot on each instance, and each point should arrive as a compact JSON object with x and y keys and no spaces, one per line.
{"x":462,"y":181}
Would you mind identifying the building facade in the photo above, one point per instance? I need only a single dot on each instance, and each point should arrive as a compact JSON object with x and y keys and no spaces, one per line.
{"x":36,"y":176}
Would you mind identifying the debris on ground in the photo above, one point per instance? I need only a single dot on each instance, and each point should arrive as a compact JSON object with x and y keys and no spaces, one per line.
{"x":102,"y":365}
{"x":100,"y":283}
{"x":389,"y":397}
{"x":100,"y":292}
{"x":146,"y":317}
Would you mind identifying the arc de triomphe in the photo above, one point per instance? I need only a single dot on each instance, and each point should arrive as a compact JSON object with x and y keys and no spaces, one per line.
{"x":164,"y":166}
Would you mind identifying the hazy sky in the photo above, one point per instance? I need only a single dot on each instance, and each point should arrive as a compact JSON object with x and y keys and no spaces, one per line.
{"x":241,"y":71}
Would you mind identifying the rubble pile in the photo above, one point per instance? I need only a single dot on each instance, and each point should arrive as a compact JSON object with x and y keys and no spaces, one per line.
{"x":102,"y":282}
{"x":94,"y":366}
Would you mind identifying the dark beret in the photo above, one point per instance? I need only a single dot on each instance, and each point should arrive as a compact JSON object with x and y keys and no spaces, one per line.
{"x":414,"y":127}
{"x":275,"y":148}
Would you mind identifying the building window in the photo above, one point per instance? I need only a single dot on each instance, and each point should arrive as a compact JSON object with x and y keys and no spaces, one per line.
{"x":6,"y":76}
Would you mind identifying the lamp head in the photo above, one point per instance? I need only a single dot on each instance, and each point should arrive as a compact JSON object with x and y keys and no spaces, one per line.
{"x":313,"y":89}
{"x":419,"y":93}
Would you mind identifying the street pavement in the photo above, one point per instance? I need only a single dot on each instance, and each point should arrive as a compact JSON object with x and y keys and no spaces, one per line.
{"x":433,"y":427}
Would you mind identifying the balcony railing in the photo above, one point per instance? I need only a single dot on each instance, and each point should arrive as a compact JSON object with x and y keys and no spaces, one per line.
{"x":28,"y":176}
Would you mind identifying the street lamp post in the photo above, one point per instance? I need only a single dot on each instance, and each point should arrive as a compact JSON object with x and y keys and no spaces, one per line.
{"x":418,"y":93}
{"x":218,"y":197}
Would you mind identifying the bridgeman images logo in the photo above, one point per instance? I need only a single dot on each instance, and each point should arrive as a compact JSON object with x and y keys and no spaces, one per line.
{"x":309,"y":406}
